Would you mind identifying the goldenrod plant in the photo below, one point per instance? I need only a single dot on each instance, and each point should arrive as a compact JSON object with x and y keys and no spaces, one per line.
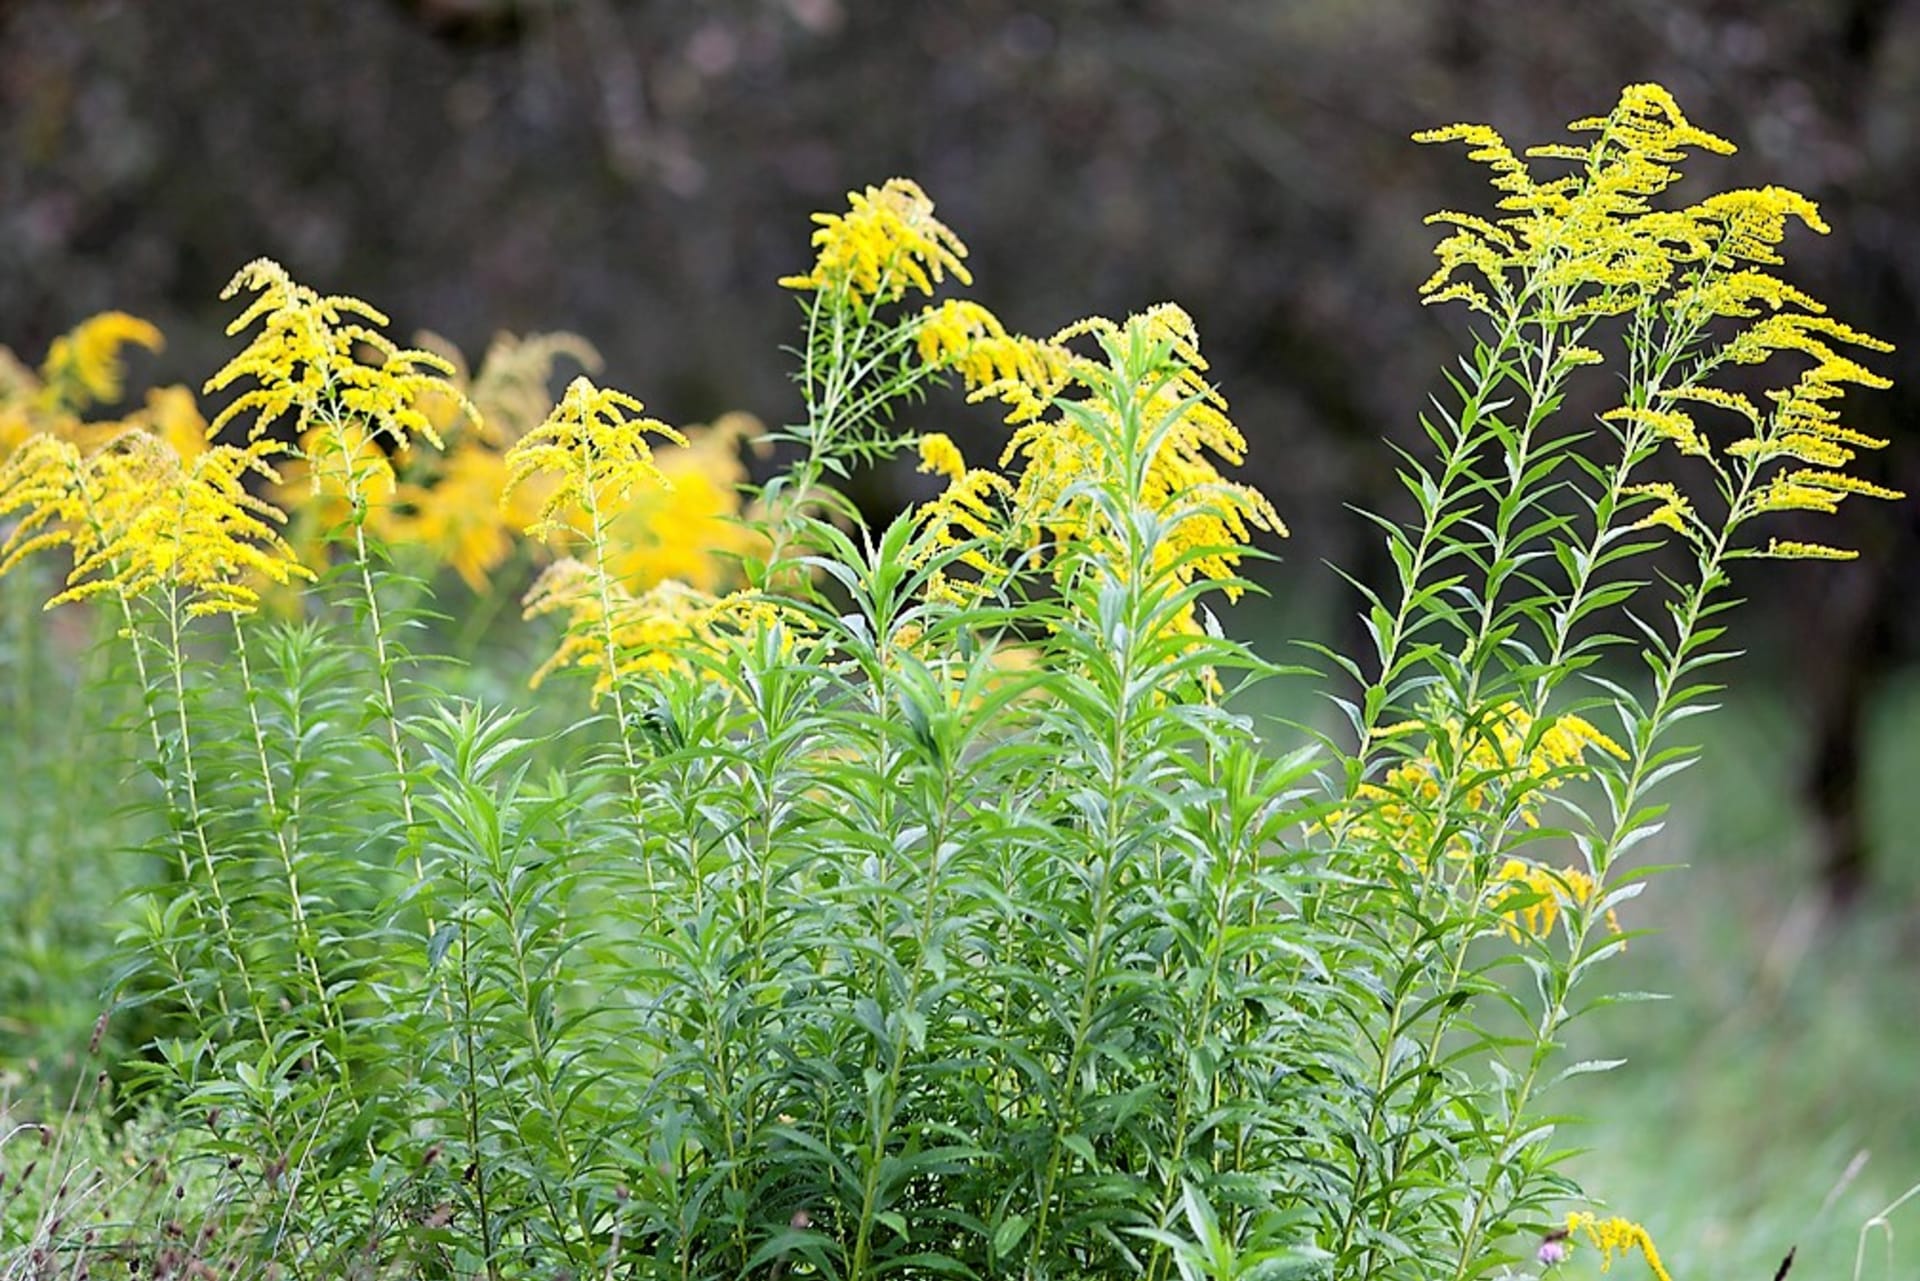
{"x":919,"y":899}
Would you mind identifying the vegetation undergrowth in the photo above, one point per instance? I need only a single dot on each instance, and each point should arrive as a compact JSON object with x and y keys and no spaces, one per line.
{"x":912,"y":899}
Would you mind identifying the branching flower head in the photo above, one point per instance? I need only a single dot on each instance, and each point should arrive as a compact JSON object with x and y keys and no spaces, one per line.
{"x":595,"y":446}
{"x":306,"y":361}
{"x":887,"y":242}
{"x":1590,"y":242}
{"x":139,"y":517}
{"x":1616,"y":1236}
{"x":652,"y":632}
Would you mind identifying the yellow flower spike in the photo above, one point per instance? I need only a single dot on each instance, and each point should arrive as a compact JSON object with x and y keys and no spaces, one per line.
{"x":651,"y":631}
{"x":595,"y":444}
{"x":1616,"y":1236}
{"x":938,"y":454}
{"x":1786,"y":549}
{"x":887,"y":242}
{"x":1671,"y":509}
{"x":306,"y":361}
{"x":84,"y":366}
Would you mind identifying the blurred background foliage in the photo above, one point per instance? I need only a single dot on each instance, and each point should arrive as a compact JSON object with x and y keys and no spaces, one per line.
{"x":640,"y":173}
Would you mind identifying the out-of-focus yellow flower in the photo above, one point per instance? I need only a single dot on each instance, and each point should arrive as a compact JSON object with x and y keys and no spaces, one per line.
{"x":687,"y":525}
{"x":84,"y":366}
{"x":512,"y":388}
{"x":1616,"y":1236}
{"x":458,"y":519}
{"x":172,"y":414}
{"x":1531,"y":897}
{"x":595,"y":444}
{"x":887,"y":242}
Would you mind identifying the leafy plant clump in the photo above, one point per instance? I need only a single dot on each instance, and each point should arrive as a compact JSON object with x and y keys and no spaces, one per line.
{"x":916,"y":900}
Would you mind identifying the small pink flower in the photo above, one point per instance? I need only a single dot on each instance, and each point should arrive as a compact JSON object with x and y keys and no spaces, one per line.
{"x":1551,"y":1251}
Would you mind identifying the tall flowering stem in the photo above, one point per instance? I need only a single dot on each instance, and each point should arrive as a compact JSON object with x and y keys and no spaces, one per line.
{"x":1570,"y":250}
{"x":594,"y":448}
{"x":859,"y":355}
{"x":306,"y":361}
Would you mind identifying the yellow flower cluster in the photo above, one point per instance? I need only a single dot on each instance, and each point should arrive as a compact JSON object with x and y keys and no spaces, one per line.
{"x":1590,"y":242}
{"x":1530,"y":897}
{"x":452,"y":504}
{"x":1050,"y":464}
{"x":594,"y":449}
{"x":83,"y":369}
{"x":1578,"y":239}
{"x":83,"y":366}
{"x":139,"y":517}
{"x":887,"y":242}
{"x":1616,"y":1236}
{"x":656,"y":631}
{"x":968,"y":516}
{"x":305,"y":360}
{"x":1502,"y":762}
{"x":965,"y":337}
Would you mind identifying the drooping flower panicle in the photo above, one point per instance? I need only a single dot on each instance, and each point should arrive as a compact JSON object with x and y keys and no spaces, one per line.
{"x":1591,"y":242}
{"x":595,"y":446}
{"x":306,"y":361}
{"x":887,"y":242}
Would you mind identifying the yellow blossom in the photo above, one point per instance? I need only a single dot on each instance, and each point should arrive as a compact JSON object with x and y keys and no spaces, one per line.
{"x":887,"y":242}
{"x":1786,"y":549}
{"x":652,"y":632}
{"x":511,"y":390}
{"x":689,"y":524}
{"x":1616,"y":1236}
{"x":305,"y":360}
{"x":1531,"y":897}
{"x":1499,"y":764}
{"x":84,"y":366}
{"x":139,"y":517}
{"x":1667,"y":424}
{"x":596,"y":446}
{"x":458,"y":519}
{"x":938,"y":454}
{"x":1670,"y":508}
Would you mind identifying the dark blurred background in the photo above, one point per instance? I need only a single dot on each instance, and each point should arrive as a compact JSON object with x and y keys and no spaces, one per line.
{"x":642,"y":172}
